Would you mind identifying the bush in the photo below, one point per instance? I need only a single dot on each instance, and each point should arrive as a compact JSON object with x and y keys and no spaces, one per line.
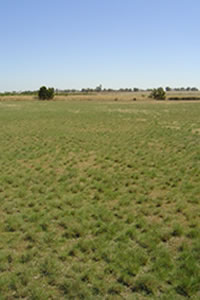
{"x":184,"y":98}
{"x":158,"y":94}
{"x":46,"y":94}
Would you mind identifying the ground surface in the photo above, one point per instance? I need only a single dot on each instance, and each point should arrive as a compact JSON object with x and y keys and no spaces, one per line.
{"x":99,"y":200}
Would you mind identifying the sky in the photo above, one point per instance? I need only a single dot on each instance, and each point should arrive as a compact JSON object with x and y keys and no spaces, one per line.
{"x":83,"y":43}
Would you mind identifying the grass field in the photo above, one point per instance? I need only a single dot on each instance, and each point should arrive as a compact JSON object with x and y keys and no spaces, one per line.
{"x":99,"y":200}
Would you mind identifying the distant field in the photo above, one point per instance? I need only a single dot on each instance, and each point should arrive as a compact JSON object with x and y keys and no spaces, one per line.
{"x":99,"y":200}
{"x":104,"y":96}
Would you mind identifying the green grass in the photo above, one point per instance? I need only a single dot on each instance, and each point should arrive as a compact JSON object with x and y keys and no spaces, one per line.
{"x":99,"y":200}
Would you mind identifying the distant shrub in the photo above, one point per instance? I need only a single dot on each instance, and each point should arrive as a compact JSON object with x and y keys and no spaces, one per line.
{"x":46,"y":94}
{"x":183,"y":98}
{"x":168,"y":89}
{"x":158,"y":94}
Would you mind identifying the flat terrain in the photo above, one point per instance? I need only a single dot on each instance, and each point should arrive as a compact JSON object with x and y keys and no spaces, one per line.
{"x":99,"y":200}
{"x":104,"y":96}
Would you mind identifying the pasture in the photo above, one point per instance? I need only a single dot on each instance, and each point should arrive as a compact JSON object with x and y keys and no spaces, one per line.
{"x":99,"y":200}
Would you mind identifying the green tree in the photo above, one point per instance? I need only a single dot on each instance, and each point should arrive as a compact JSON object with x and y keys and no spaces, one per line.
{"x":168,"y":89}
{"x":158,"y":94}
{"x":46,"y":94}
{"x":50,"y":93}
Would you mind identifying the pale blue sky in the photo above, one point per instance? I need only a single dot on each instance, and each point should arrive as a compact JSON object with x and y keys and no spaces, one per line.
{"x":82,"y":43}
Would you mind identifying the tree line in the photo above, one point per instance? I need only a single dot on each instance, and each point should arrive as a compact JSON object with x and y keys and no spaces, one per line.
{"x":48,"y":93}
{"x":45,"y":93}
{"x":100,"y":89}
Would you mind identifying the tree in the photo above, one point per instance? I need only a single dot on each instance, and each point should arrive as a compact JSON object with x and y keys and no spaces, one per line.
{"x":99,"y":88}
{"x":168,"y":89}
{"x":50,"y":93}
{"x":194,"y":89}
{"x":46,"y":94}
{"x":158,"y":94}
